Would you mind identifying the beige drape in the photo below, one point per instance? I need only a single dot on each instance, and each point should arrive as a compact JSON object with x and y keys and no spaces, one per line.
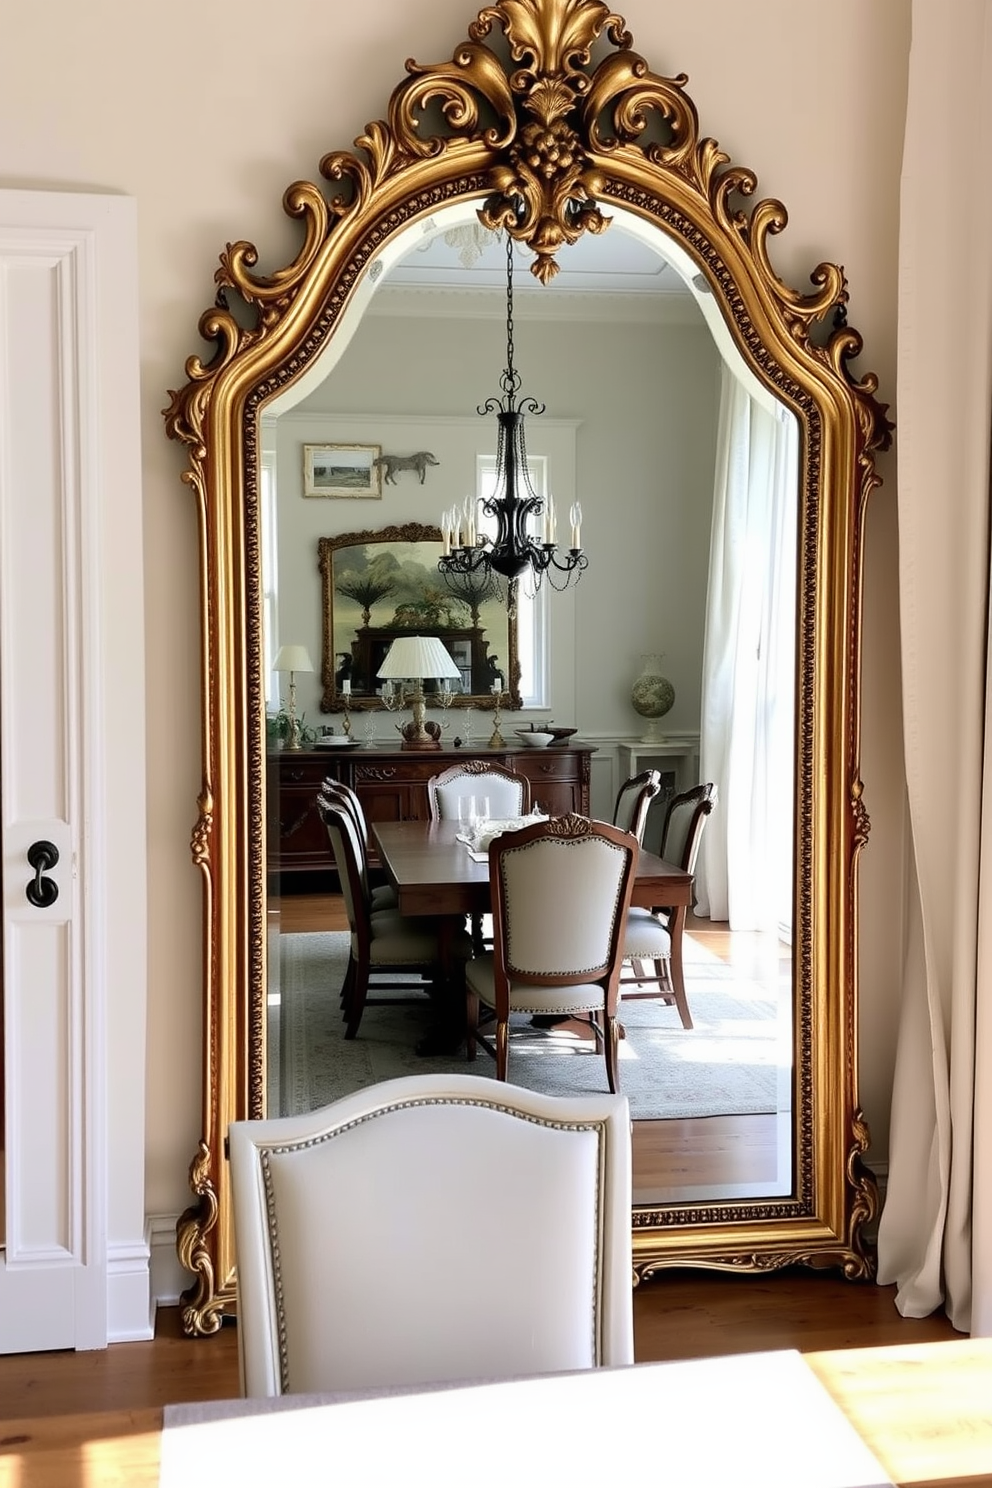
{"x":935,"y":1236}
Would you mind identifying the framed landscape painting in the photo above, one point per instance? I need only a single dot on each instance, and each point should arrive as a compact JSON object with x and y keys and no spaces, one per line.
{"x":379,"y":586}
{"x":345,"y":470}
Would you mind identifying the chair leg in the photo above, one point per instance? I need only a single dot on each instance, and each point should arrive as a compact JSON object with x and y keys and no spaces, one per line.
{"x":356,"y":1001}
{"x":348,"y":987}
{"x":471,"y":1021}
{"x":502,"y":1047}
{"x":478,"y":939}
{"x":610,"y":1042}
{"x":677,"y":984}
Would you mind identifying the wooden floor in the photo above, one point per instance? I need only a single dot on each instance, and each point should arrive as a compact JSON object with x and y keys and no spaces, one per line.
{"x":679,"y":1315}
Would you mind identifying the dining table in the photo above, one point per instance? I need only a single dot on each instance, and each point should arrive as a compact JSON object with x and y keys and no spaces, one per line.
{"x":921,"y":1410}
{"x":435,"y":872}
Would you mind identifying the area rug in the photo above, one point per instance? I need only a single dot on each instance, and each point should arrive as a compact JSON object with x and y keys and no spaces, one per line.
{"x":733,"y":1061}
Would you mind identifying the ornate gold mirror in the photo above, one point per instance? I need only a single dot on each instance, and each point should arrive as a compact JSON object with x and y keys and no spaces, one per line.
{"x":548,"y":126}
{"x":377,"y":586}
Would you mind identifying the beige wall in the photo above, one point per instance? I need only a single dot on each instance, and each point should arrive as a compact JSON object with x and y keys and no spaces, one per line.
{"x":205,"y":111}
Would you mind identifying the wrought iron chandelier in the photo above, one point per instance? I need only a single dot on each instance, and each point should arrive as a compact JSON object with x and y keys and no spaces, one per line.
{"x":514,"y":549}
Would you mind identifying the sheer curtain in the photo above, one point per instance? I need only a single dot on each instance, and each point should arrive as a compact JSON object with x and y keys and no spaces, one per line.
{"x":748,"y":704}
{"x":935,"y":1235}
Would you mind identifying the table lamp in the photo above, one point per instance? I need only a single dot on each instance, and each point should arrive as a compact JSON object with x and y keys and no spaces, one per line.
{"x":292,"y":659}
{"x":411,"y":659}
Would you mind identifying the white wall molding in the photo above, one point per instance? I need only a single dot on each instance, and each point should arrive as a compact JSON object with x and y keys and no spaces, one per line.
{"x":452,"y":301}
{"x":168,"y":1278}
{"x":130,"y":1312}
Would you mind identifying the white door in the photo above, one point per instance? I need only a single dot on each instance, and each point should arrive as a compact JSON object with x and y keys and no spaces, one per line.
{"x":66,"y":290}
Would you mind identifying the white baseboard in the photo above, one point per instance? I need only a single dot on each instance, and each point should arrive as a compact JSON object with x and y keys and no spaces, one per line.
{"x":168,"y":1277}
{"x":129,"y":1311}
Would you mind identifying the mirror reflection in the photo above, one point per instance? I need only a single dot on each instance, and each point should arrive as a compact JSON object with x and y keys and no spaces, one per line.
{"x":686,"y":470}
{"x":378,"y":587}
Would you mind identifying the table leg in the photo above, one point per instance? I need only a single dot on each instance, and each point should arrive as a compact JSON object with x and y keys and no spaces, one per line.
{"x":447,"y":1034}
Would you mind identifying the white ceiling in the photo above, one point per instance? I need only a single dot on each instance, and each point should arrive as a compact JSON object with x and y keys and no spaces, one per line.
{"x":468,"y":257}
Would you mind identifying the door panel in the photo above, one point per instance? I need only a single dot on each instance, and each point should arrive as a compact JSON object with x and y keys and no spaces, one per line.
{"x":64,"y":292}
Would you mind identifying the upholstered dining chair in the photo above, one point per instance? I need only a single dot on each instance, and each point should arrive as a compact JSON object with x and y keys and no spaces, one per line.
{"x":652,"y":936}
{"x":382,"y":896}
{"x":360,"y":1228}
{"x":560,"y":894}
{"x":383,"y":942}
{"x":634,"y":800}
{"x":508,"y":795}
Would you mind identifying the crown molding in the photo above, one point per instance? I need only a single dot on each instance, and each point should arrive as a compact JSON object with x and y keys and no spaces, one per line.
{"x":452,"y":302}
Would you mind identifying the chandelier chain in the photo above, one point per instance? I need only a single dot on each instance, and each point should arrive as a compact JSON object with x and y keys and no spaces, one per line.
{"x":511,"y":379}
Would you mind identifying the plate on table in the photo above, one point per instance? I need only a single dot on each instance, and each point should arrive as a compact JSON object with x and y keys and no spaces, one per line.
{"x":336,"y":741}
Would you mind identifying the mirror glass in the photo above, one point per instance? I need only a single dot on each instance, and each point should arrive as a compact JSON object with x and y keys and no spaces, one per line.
{"x":687,"y":471}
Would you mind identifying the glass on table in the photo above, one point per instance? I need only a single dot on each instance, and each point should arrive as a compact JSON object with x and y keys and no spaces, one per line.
{"x":472,"y":810}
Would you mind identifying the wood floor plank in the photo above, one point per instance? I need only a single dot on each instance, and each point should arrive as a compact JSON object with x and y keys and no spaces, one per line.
{"x":680,"y":1314}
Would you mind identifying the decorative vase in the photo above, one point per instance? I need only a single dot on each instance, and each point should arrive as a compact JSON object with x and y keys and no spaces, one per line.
{"x":652,"y":696}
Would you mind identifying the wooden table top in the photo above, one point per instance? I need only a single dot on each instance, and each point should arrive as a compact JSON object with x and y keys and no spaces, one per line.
{"x":433,"y":873}
{"x":924,"y":1410}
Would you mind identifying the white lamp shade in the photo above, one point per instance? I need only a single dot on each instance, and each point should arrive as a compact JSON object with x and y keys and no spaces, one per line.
{"x":419,"y":657}
{"x":292,"y":659}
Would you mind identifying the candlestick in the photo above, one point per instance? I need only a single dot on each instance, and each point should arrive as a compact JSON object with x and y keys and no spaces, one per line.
{"x":496,"y":740}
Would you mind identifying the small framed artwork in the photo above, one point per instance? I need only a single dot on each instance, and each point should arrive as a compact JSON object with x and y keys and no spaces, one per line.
{"x":346,"y":470}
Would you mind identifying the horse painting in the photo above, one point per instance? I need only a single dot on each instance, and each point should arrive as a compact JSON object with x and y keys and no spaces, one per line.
{"x":390,"y":464}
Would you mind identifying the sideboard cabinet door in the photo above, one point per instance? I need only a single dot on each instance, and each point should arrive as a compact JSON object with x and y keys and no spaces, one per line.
{"x":559,"y":779}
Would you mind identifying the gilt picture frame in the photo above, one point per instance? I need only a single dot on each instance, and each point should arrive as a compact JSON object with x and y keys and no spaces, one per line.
{"x":347,"y":471}
{"x":378,"y":585}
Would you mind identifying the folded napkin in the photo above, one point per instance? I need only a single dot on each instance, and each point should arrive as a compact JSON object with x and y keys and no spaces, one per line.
{"x":485,"y":831}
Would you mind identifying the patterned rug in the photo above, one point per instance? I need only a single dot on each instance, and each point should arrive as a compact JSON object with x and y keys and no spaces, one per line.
{"x":735,"y":1060}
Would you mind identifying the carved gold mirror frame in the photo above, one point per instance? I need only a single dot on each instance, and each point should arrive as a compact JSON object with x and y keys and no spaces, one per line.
{"x":544,"y":118}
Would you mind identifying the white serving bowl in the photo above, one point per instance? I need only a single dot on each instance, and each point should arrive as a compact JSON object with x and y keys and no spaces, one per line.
{"x":334,"y":741}
{"x":534,"y":738}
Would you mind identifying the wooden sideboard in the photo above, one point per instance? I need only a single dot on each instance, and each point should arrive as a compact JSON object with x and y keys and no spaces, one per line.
{"x":392,"y":786}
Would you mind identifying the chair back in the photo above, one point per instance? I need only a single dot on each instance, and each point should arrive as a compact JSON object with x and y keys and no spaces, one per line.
{"x":361,"y":1229}
{"x":684,"y":822}
{"x":633,"y":799}
{"x":345,"y":796}
{"x":349,"y":860}
{"x":560,"y":892}
{"x":509,"y":794}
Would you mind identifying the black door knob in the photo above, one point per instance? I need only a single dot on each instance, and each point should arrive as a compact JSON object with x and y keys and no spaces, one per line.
{"x":42,"y":892}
